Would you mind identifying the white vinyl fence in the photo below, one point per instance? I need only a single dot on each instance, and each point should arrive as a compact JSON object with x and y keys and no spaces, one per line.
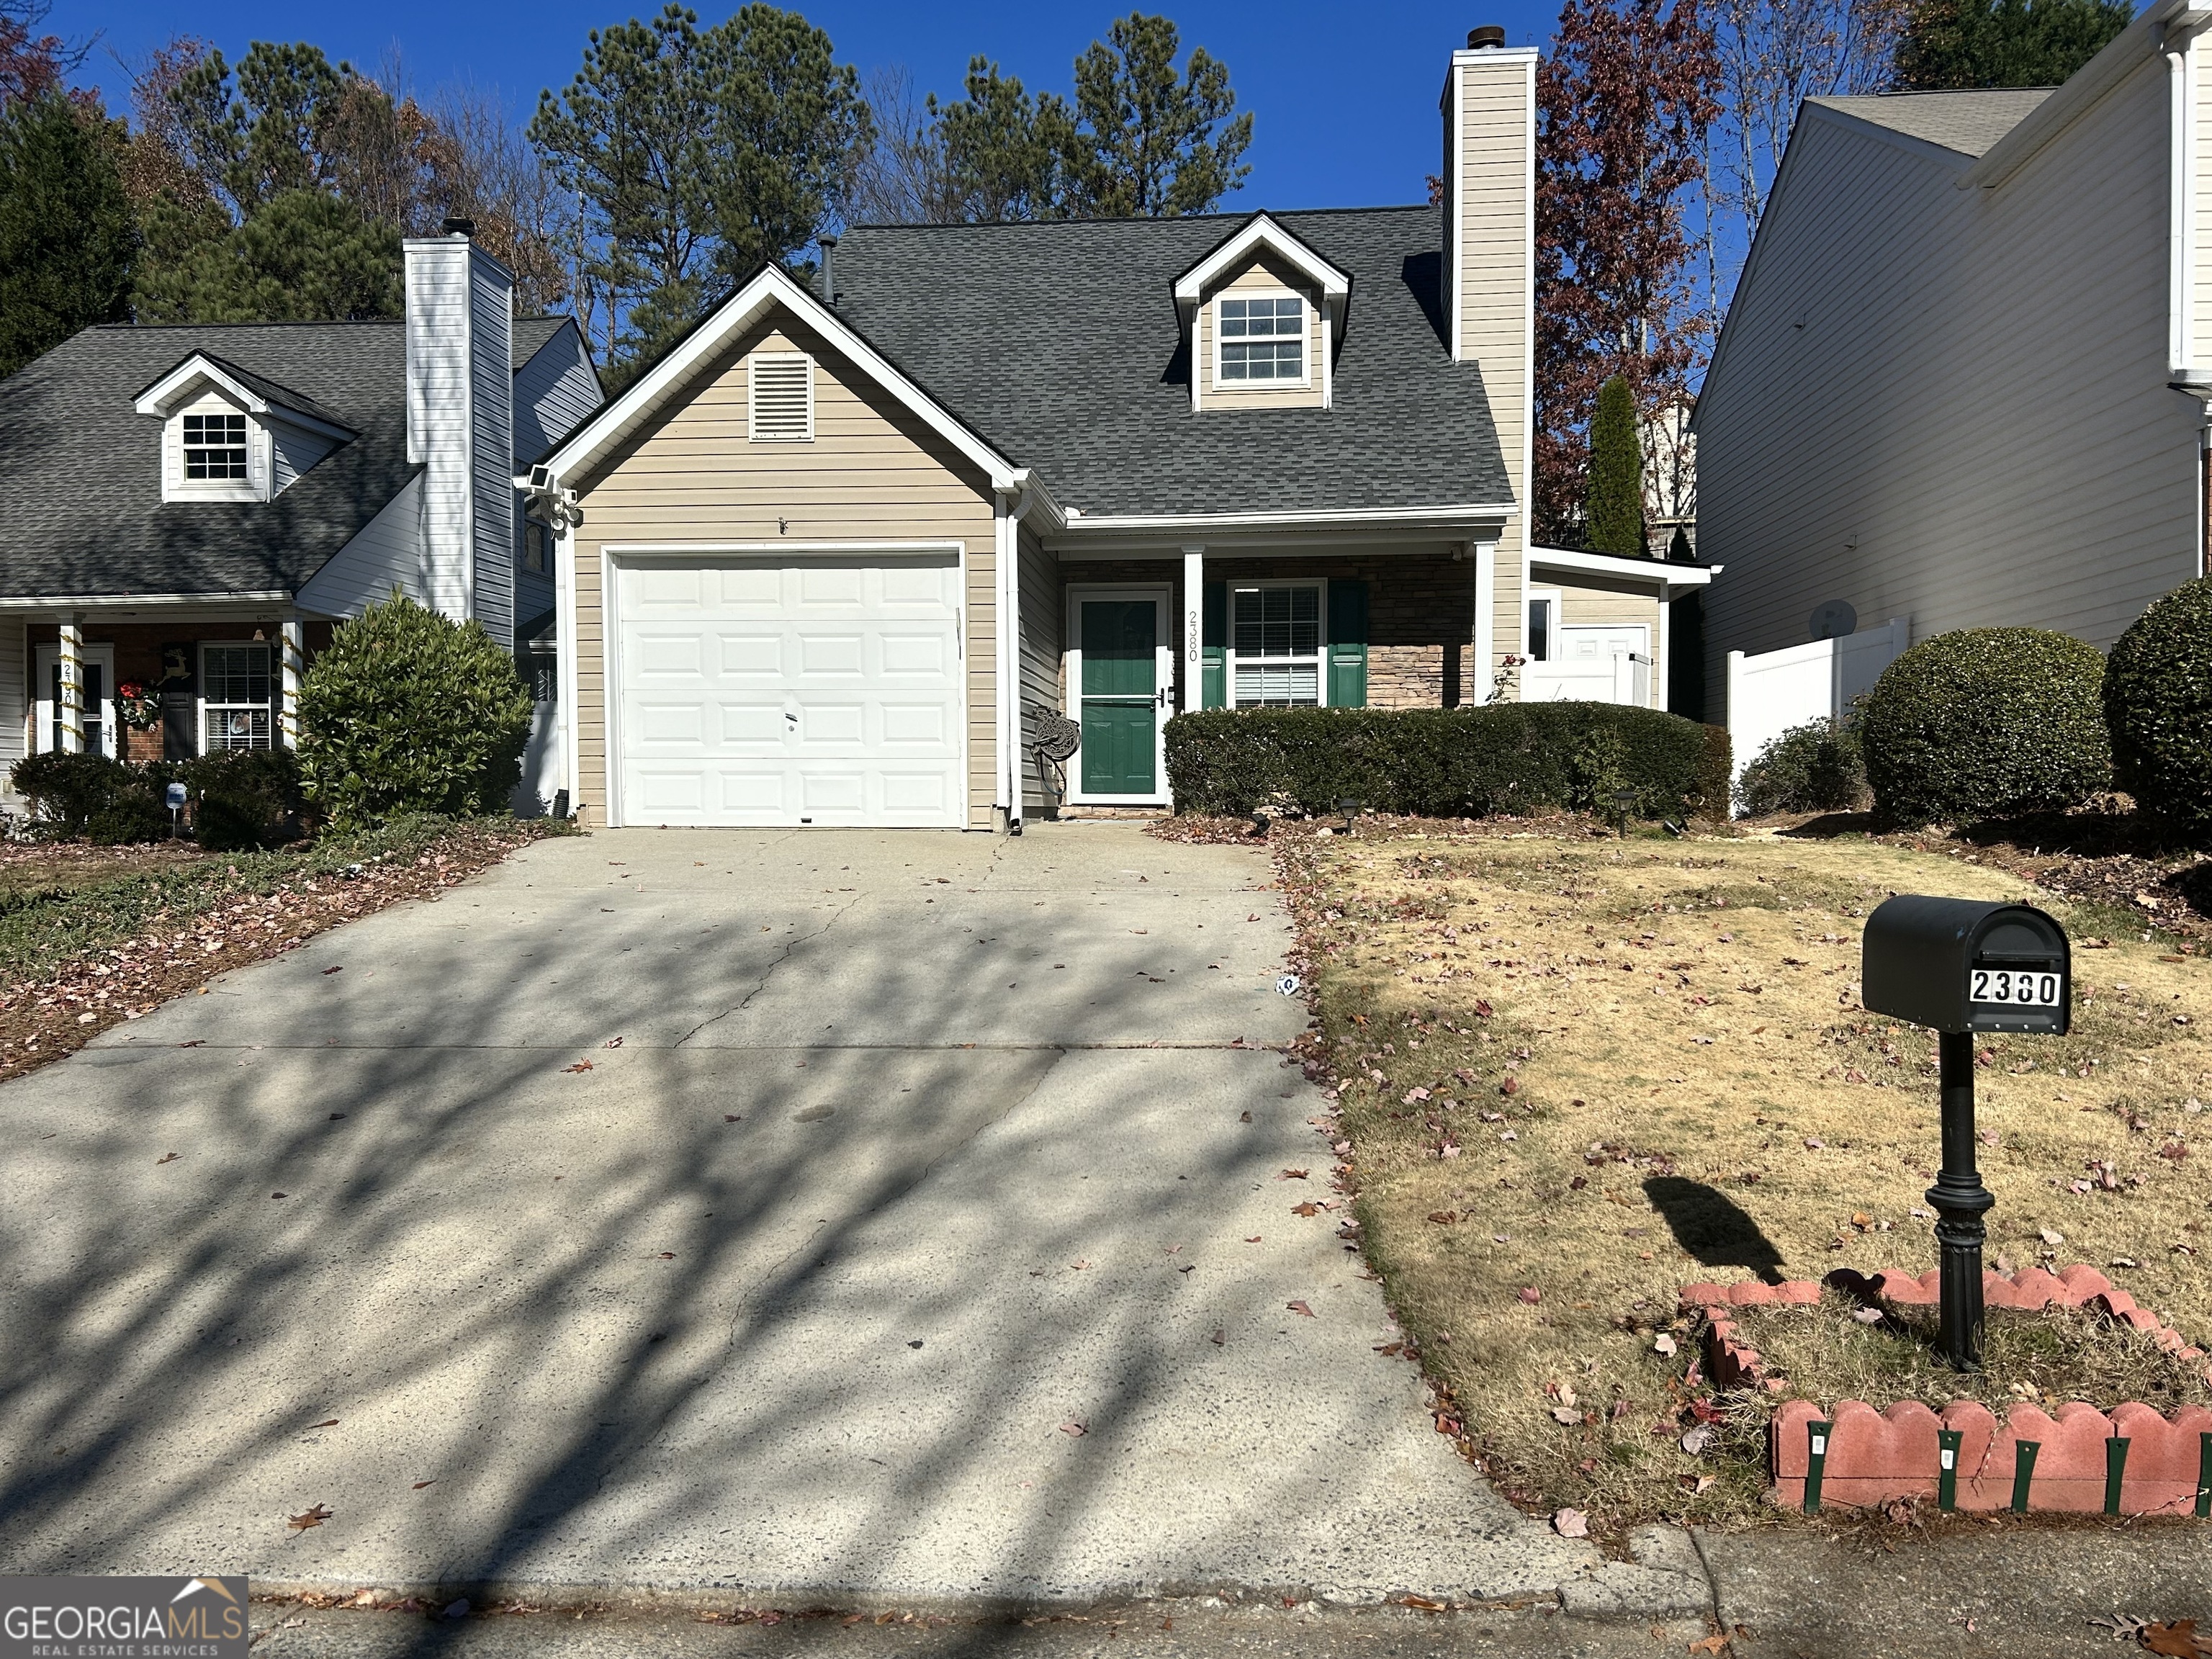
{"x":1771,"y":692}
{"x":1624,"y":677}
{"x":541,"y":763}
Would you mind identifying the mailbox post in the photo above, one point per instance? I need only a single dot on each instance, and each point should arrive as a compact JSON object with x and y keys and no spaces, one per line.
{"x":1959,"y":967}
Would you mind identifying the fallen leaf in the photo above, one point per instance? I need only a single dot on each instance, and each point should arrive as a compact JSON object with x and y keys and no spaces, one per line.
{"x":1307,"y":1209}
{"x":1443,"y":1217}
{"x":1255,"y":1239}
{"x":2051,"y":1235}
{"x":1220,"y":1336}
{"x":2124,"y":1262}
{"x":2179,"y":1639}
{"x":1300,"y":1307}
{"x":612,"y":1042}
{"x":1570,"y":1523}
{"x":1698,"y":1440}
{"x":1561,"y":1415}
{"x":340,"y":969}
{"x":328,"y":1423}
{"x":1868,"y":1316}
{"x":1663,"y":1343}
{"x":1710,"y":1645}
{"x":1531,"y":1294}
{"x":166,"y":1158}
{"x":457,"y":1609}
{"x":1813,"y":1145}
{"x":668,"y":1256}
{"x":313,"y":1518}
{"x":581,"y":1066}
{"x":1292,"y":1175}
{"x":419,"y":1485}
{"x":731,"y":1117}
{"x":1075,"y":1430}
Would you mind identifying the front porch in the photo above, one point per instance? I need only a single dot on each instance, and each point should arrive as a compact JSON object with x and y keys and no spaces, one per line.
{"x":152,"y":683}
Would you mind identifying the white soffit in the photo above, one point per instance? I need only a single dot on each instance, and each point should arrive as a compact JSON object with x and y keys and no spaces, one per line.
{"x":1263,"y":232}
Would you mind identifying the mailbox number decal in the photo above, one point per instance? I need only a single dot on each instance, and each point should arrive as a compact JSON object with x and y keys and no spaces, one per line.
{"x":2015,"y":987}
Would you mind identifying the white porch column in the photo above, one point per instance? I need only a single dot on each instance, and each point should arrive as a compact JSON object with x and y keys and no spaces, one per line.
{"x":1193,"y":628}
{"x":295,"y":651}
{"x":1486,"y":621}
{"x":68,"y":712}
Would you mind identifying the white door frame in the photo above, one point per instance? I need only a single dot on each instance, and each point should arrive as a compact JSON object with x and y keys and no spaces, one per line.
{"x":45,"y":661}
{"x":615,"y":556}
{"x":1164,"y":685}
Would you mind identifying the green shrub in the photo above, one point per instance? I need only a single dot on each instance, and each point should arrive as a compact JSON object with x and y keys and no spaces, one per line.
{"x":1440,"y":763}
{"x":1813,"y":767}
{"x":2157,"y":708}
{"x":410,"y":711}
{"x":1986,"y":723}
{"x":1713,"y":772}
{"x":89,"y":798}
{"x":243,"y":799}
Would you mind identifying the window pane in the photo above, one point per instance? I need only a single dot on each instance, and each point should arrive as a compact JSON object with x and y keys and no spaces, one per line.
{"x":1539,"y":630}
{"x":1235,"y":364}
{"x":236,"y":673}
{"x":1278,"y":621}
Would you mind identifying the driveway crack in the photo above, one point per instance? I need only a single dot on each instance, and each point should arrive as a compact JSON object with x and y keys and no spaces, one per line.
{"x":769,"y":972}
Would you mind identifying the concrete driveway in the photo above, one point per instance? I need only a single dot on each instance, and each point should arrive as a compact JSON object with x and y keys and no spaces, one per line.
{"x":844,"y":1216}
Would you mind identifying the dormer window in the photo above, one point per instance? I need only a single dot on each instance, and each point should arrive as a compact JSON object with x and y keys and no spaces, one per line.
{"x":214,"y":447}
{"x":1262,"y":339}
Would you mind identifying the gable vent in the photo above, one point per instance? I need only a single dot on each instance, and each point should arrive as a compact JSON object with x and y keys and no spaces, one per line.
{"x":781,"y":387}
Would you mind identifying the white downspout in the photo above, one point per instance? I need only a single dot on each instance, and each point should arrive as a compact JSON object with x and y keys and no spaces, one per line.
{"x":2181,"y":215}
{"x":1012,"y":504}
{"x":564,"y":660}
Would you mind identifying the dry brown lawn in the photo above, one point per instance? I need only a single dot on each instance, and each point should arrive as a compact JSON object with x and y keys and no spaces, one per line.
{"x":1577,"y":1074}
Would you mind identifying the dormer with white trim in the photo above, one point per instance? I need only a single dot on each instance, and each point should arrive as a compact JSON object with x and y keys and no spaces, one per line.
{"x":227,"y":436}
{"x":1264,"y":316}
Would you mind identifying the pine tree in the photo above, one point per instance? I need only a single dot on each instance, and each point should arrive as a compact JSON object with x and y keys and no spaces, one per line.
{"x":1951,"y":45}
{"x":304,"y":256}
{"x":1614,"y":511}
{"x":67,"y":238}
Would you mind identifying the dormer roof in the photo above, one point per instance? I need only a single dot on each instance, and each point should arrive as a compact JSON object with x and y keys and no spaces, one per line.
{"x":254,"y":393}
{"x":1260,"y":233}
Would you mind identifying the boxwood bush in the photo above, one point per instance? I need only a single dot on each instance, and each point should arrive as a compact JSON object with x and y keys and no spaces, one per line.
{"x":89,"y":798}
{"x":1985,"y":723}
{"x":409,"y":711}
{"x":1446,"y":763}
{"x":2158,"y":706}
{"x":1813,"y":767}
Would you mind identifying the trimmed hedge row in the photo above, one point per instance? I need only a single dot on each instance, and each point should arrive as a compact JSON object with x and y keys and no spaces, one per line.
{"x":1447,"y":762}
{"x":2158,"y":701}
{"x":244,"y":799}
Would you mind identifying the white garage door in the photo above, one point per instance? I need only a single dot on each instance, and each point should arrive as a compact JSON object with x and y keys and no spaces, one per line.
{"x":779,"y":690}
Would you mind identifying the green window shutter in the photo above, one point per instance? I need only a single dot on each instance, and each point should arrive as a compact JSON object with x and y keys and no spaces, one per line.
{"x":1348,"y":645}
{"x":1213,"y":648}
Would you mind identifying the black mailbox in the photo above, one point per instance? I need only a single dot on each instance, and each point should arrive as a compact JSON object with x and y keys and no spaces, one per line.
{"x":1962,"y":965}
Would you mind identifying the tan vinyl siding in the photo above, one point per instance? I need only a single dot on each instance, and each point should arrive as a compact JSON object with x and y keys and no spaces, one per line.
{"x":873,"y":473}
{"x":1494,"y":190}
{"x":1266,"y":274}
{"x":1601,"y":601}
{"x":1951,"y":404}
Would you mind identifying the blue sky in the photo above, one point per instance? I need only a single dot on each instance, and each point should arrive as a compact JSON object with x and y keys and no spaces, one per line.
{"x":1345,"y":96}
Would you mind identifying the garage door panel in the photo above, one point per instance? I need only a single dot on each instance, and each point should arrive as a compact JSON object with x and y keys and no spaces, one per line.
{"x":761,"y":693}
{"x":915,"y":655}
{"x":751,"y":724}
{"x":751,"y":655}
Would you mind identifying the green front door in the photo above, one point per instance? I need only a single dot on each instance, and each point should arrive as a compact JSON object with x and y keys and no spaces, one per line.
{"x":1121,"y":696}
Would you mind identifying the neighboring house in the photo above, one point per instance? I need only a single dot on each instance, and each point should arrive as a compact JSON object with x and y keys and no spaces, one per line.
{"x":829,"y":562}
{"x":1966,"y":375}
{"x":190,"y":508}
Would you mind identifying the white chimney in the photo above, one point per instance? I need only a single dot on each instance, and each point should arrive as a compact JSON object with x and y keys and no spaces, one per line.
{"x":460,"y":423}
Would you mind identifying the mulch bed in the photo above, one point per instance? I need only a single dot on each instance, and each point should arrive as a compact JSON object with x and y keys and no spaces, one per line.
{"x":219,"y":911}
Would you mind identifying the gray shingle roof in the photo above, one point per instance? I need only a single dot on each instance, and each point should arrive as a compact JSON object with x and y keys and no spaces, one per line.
{"x":1968,"y":122}
{"x":82,"y":513}
{"x":282,"y":395}
{"x":1059,"y":344}
{"x":530,"y":335}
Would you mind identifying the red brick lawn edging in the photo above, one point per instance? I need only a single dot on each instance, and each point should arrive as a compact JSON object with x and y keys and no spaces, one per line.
{"x":2131,"y":1461}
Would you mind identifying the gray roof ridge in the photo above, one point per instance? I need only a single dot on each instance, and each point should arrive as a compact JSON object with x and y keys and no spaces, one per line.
{"x":1238,"y":216}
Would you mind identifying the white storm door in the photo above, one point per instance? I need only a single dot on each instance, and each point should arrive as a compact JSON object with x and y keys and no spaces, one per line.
{"x":784,"y":690}
{"x":1626,"y":645}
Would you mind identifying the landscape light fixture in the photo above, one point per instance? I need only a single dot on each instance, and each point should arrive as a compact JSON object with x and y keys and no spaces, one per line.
{"x":1959,"y":967}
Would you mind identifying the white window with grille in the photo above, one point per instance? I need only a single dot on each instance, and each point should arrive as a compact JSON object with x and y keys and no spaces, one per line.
{"x":237,"y":687}
{"x":1260,"y":339}
{"x":214,"y":447}
{"x":780,"y":397}
{"x":1275,"y":642}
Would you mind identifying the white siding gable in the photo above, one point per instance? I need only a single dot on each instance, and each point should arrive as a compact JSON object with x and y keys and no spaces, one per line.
{"x":292,"y":451}
{"x":554,"y":391}
{"x":385,"y":553}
